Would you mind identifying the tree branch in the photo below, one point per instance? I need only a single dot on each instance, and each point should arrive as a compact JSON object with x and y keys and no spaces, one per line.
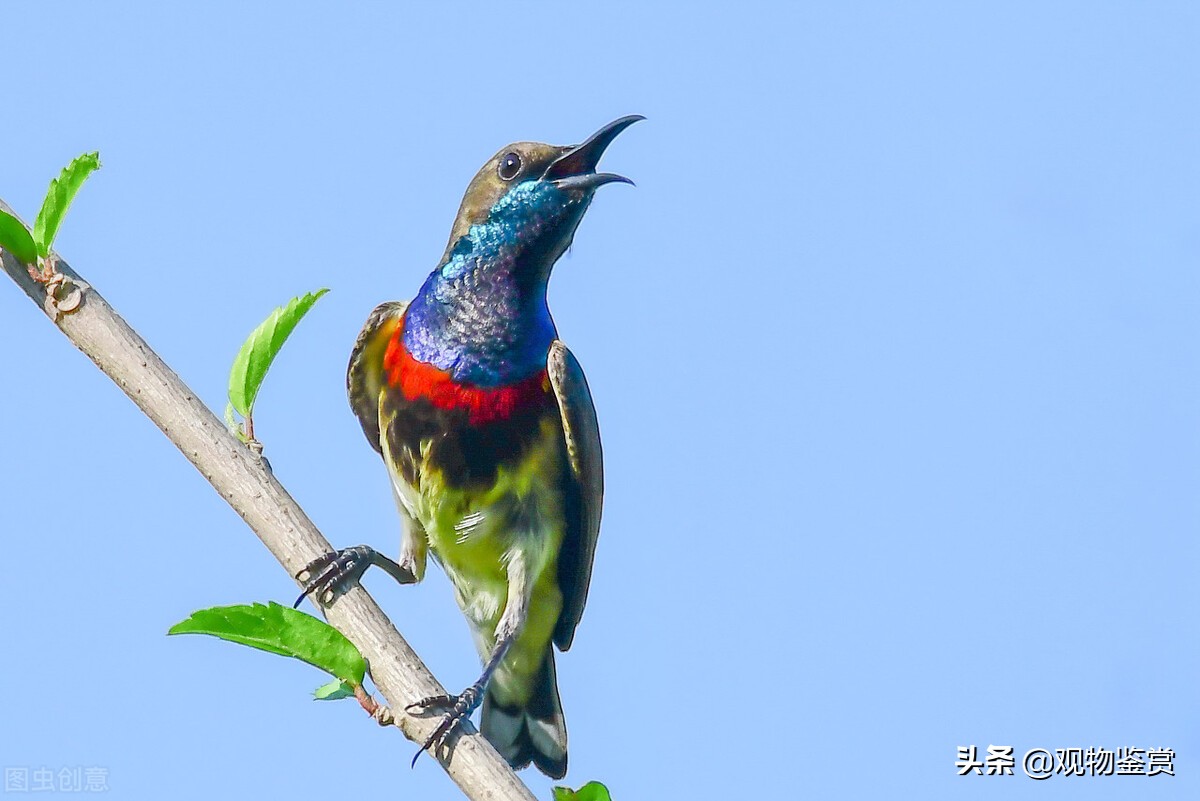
{"x":244,"y":482}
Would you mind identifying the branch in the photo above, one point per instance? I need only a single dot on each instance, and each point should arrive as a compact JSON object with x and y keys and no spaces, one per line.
{"x":246,"y":485}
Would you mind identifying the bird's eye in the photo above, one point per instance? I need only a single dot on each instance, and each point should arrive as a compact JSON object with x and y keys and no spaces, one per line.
{"x":510,"y":165}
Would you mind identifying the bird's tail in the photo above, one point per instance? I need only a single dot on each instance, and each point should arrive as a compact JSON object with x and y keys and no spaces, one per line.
{"x":534,"y":733}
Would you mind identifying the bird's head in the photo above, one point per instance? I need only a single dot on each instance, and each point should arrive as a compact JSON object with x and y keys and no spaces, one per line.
{"x":483,"y":314}
{"x":529,"y":198}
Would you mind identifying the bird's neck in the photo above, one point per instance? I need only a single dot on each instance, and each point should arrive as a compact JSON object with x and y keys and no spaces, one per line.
{"x":482,"y":316}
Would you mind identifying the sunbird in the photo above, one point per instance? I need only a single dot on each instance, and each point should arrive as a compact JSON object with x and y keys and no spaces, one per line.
{"x":485,"y":422}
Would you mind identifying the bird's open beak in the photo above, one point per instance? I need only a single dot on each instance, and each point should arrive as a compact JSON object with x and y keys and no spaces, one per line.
{"x":576,"y":169}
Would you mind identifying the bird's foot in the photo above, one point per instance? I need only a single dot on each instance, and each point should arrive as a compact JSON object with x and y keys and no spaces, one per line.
{"x":458,"y":708}
{"x":329,"y":575}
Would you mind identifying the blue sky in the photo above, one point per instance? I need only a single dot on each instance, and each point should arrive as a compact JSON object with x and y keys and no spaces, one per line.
{"x":894,"y":347}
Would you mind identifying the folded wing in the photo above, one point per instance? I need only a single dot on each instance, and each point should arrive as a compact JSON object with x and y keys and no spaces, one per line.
{"x":584,"y":485}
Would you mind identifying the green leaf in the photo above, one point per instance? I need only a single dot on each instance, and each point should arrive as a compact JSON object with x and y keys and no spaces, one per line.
{"x":15,"y":238}
{"x":281,"y":630}
{"x":261,"y":348}
{"x":58,"y":199}
{"x":333,"y":691}
{"x":592,"y":791}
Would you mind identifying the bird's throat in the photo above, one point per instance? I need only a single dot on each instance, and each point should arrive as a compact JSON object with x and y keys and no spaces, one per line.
{"x":482,"y":316}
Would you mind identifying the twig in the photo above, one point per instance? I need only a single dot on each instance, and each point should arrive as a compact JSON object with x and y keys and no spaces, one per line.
{"x":241,"y":478}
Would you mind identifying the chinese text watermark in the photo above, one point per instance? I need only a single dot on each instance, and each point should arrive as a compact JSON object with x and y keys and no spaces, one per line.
{"x":1042,"y":763}
{"x":75,"y":779}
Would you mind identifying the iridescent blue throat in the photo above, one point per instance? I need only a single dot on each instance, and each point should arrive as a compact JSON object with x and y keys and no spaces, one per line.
{"x":482,"y":315}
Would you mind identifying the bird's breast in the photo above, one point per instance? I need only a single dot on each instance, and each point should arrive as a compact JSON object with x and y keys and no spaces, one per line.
{"x":417,"y":380}
{"x":465,"y":433}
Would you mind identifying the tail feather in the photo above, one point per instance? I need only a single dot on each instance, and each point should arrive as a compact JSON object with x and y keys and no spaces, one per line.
{"x":536,"y":733}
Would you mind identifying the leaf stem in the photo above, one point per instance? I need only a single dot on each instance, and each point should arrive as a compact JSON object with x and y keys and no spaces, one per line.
{"x":382,"y":714}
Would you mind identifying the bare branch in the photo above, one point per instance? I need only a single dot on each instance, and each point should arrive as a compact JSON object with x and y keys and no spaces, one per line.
{"x":244,"y":482}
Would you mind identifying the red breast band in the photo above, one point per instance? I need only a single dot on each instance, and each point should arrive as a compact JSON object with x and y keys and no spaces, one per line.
{"x":484,"y":405}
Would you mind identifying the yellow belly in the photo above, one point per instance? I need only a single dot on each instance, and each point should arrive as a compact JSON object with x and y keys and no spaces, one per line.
{"x":475,"y":533}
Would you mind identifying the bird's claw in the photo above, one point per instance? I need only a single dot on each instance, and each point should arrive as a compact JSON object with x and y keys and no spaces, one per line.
{"x":330,"y":574}
{"x":458,"y":708}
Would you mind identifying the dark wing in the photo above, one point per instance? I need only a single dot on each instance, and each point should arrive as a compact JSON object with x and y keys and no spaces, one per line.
{"x":365,"y":376}
{"x":584,"y":487}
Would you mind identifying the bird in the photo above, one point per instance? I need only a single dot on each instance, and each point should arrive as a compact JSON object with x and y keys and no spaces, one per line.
{"x":486,"y":425}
